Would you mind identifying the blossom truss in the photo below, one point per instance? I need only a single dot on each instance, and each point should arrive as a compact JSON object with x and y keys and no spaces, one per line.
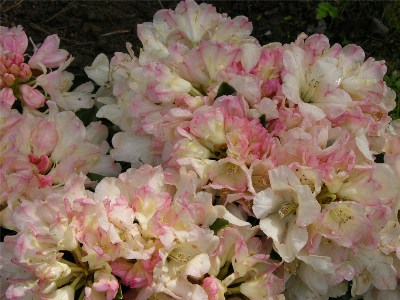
{"x":138,"y":230}
{"x":254,"y":168}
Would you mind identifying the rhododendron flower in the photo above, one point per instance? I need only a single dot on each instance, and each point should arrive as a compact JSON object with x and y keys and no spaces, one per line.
{"x":348,"y":224}
{"x":48,"y":54}
{"x":181,"y":27}
{"x":13,"y":40}
{"x":315,"y":88}
{"x":285,"y":210}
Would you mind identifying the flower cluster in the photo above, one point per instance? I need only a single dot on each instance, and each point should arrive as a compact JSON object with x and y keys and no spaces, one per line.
{"x":259,"y":171}
{"x":42,"y":141}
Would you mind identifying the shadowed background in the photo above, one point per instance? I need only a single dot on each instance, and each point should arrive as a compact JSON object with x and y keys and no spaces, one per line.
{"x":87,"y":28}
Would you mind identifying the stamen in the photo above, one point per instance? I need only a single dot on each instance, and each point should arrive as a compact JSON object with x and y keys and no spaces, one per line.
{"x":287,"y":209}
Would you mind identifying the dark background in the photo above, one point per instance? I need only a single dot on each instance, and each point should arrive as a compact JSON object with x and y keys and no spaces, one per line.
{"x":87,"y":28}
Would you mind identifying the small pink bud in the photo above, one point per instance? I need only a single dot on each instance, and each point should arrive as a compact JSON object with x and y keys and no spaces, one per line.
{"x":14,"y":69}
{"x":8,"y":79}
{"x":25,"y":72}
{"x":42,"y":163}
{"x":44,"y":180}
{"x":7,"y":97}
{"x":32,"y":97}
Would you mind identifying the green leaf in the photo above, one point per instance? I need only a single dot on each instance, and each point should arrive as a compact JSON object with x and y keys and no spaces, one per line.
{"x":225,"y":90}
{"x":263,"y":121}
{"x":218,"y":224}
{"x":324,"y":9}
{"x":95,"y":177}
{"x":87,"y":115}
{"x":119,"y":295}
{"x":333,"y":11}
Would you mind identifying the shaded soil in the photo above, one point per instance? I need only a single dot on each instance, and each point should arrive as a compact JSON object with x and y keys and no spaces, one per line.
{"x":87,"y":28}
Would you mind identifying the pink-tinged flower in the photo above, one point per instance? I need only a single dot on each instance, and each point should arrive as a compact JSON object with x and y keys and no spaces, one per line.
{"x":188,"y":257}
{"x":13,"y":40}
{"x":362,"y":79}
{"x":208,"y":124}
{"x":99,"y":71}
{"x":147,"y":202}
{"x":9,"y":270}
{"x":189,"y":25}
{"x":269,"y":68}
{"x":314,"y":86}
{"x":187,"y":148}
{"x":161,"y":84}
{"x":202,"y":65}
{"x":348,"y":224}
{"x":376,"y":185}
{"x":233,"y":105}
{"x":57,"y":85}
{"x":48,"y":55}
{"x":247,"y":140}
{"x":377,"y":270}
{"x":229,"y":173}
{"x":31,"y":96}
{"x":285,"y":210}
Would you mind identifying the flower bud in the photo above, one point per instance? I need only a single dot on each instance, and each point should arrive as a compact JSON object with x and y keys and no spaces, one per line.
{"x":32,"y":97}
{"x":7,"y":97}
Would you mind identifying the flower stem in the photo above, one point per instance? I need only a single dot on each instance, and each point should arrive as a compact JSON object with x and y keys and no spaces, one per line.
{"x":76,"y":281}
{"x":233,"y":290}
{"x":67,"y":262}
{"x":82,"y":295}
{"x":222,"y":273}
{"x":194,"y":92}
{"x":76,"y":269}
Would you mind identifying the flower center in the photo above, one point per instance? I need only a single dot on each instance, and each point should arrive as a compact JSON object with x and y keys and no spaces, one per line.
{"x":287,"y":209}
{"x":307,"y":92}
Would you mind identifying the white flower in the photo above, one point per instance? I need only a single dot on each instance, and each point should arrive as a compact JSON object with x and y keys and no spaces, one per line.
{"x":285,"y":210}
